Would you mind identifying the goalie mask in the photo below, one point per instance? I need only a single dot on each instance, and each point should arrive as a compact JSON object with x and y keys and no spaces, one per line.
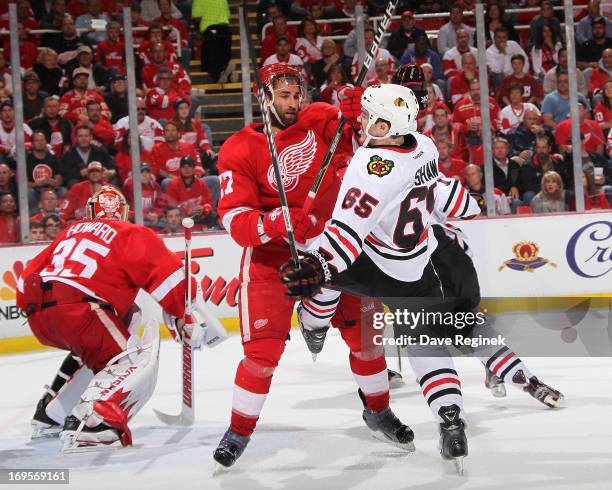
{"x":396,"y":105}
{"x":107,"y":203}
{"x":412,"y":76}
{"x":275,"y":76}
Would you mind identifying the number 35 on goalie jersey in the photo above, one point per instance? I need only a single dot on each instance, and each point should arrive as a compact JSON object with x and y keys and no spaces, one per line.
{"x":384,"y":208}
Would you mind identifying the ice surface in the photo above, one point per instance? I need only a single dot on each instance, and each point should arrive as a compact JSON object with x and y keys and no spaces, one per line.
{"x":311,"y":435}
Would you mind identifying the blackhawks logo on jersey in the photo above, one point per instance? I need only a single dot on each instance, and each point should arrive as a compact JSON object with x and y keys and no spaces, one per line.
{"x":380,"y":167}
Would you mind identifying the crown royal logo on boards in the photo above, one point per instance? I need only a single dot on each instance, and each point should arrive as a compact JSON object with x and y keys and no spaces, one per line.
{"x":526,"y":258}
{"x":380,"y":167}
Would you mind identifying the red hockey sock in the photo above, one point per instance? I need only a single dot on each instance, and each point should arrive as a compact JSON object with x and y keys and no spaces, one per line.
{"x":371,"y":376}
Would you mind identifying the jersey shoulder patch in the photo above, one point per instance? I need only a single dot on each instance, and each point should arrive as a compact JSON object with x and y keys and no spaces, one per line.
{"x":379,"y":166}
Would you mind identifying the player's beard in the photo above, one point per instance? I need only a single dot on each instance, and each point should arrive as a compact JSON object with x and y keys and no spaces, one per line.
{"x":284,"y":119}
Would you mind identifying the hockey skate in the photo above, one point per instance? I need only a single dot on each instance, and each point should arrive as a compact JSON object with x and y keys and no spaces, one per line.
{"x":386,"y":427}
{"x":453,"y":442}
{"x":396,"y":380}
{"x":230,"y":448}
{"x":540,"y":391}
{"x":42,"y":425}
{"x":495,"y":384}
{"x":315,"y":339}
{"x":76,"y":436}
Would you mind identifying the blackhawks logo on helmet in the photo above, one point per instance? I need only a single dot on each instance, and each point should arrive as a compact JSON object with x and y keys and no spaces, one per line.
{"x":380,"y":167}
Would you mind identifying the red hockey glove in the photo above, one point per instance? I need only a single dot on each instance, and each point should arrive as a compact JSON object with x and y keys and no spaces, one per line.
{"x":350,"y":104}
{"x":304,"y":227}
{"x":306,"y":281}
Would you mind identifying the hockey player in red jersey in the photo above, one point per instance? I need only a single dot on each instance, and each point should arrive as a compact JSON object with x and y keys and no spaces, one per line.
{"x":79,"y":296}
{"x":249,"y":207}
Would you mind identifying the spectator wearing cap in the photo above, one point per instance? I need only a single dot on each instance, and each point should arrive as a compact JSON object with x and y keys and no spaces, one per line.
{"x":67,"y":43}
{"x":50,"y":74}
{"x":600,"y":75}
{"x":47,"y":205}
{"x":190,"y":128}
{"x":190,"y":193}
{"x":28,"y":51}
{"x":166,"y":19}
{"x":58,"y":131}
{"x":73,"y":165}
{"x":459,"y":84}
{"x":447,"y":35}
{"x":99,"y":75}
{"x":584,"y":30}
{"x":589,"y":53}
{"x":110,"y":52}
{"x":42,"y":170}
{"x":102,"y":130}
{"x":382,"y":53}
{"x":532,"y":88}
{"x":73,"y":104}
{"x":284,"y":55}
{"x":499,"y":55}
{"x":452,"y":60}
{"x":7,"y":180}
{"x":279,"y":29}
{"x":512,"y":115}
{"x":9,"y":221}
{"x":329,"y":58}
{"x":8,"y":142}
{"x":550,"y":79}
{"x":33,"y":98}
{"x":161,"y":98}
{"x":153,"y":201}
{"x":167,"y":155}
{"x":155,"y":37}
{"x":87,"y":21}
{"x":180,"y":80}
{"x":546,"y":17}
{"x":422,"y":53}
{"x":444,"y":129}
{"x":593,"y":140}
{"x":149,"y":129}
{"x":556,"y":105}
{"x":117,"y":99}
{"x":402,"y":39}
{"x":76,"y":200}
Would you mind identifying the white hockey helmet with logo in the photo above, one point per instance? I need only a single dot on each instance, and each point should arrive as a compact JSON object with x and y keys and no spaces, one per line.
{"x":395,"y":104}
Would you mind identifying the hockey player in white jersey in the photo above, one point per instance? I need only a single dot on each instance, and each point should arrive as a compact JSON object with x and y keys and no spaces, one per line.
{"x":383,"y":210}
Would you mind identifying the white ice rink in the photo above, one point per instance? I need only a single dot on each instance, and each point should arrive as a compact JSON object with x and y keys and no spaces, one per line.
{"x":311,"y":435}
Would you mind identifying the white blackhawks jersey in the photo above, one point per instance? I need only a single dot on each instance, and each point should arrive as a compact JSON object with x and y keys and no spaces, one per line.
{"x":384,"y":207}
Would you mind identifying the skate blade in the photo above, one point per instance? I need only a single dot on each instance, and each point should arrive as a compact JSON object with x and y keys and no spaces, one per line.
{"x":458,"y":464}
{"x":83,"y":447}
{"x":220,"y":470}
{"x":396,"y":383}
{"x":498,"y":391}
{"x":552,"y":402}
{"x":39,"y":432}
{"x":409,"y":447}
{"x":314,"y":357}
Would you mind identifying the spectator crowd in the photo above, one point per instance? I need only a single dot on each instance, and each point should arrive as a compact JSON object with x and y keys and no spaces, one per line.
{"x":77,"y":135}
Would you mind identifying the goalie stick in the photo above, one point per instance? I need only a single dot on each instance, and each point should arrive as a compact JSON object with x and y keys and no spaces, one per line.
{"x":367,"y":63}
{"x":186,"y":417}
{"x":261,"y":98}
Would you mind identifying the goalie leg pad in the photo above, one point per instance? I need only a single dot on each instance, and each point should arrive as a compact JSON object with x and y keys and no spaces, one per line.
{"x":120,"y":390}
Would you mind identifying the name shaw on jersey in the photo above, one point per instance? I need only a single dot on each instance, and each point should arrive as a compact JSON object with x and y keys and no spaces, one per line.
{"x":427,"y":172}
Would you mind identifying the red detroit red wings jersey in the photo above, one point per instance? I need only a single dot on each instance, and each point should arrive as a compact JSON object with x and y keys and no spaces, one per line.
{"x":112,"y":261}
{"x":247,"y":177}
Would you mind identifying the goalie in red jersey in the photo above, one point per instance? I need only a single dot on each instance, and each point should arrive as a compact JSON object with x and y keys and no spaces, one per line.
{"x":79,"y":295}
{"x":249,"y":206}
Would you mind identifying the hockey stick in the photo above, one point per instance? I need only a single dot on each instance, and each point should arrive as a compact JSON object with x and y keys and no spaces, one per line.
{"x":186,"y":417}
{"x":261,"y":98}
{"x":367,"y":63}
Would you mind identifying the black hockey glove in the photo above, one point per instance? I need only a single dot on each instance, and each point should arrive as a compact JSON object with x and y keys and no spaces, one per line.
{"x":305,"y":282}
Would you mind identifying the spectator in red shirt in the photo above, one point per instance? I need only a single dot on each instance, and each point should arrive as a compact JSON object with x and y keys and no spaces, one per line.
{"x":449,"y":166}
{"x":190,"y":193}
{"x":110,"y":52}
{"x":443,"y":129}
{"x":180,"y":79}
{"x":594,"y":140}
{"x":452,"y":60}
{"x":603,"y":110}
{"x":280,"y":28}
{"x":57,"y":130}
{"x":76,"y":200}
{"x":73,"y":104}
{"x":190,"y":128}
{"x":161,"y":98}
{"x":459,"y":85}
{"x":9,"y":221}
{"x":152,"y":200}
{"x":53,"y":225}
{"x":28,"y":50}
{"x":532,"y":88}
{"x":123,"y":158}
{"x":593,"y":198}
{"x":601,"y":74}
{"x":166,"y":20}
{"x":167,"y":155}
{"x":101,"y":128}
{"x":155,"y":37}
{"x":140,"y":36}
{"x":8,"y":144}
{"x":47,"y":205}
